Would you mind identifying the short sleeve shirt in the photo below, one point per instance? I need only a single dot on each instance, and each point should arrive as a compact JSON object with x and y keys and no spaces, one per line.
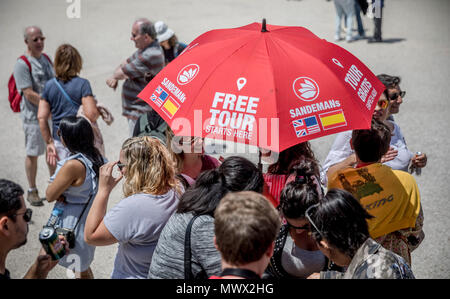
{"x":148,"y":61}
{"x":77,"y":88}
{"x":41,"y":72}
{"x":136,"y":222}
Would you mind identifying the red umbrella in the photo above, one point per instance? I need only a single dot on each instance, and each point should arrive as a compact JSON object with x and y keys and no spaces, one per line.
{"x":272,"y":87}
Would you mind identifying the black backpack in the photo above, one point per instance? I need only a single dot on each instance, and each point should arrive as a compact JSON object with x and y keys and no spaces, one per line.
{"x":151,"y":124}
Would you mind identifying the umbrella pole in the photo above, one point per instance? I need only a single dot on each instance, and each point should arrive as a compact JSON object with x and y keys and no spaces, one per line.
{"x":264,"y":29}
{"x":259,"y":161}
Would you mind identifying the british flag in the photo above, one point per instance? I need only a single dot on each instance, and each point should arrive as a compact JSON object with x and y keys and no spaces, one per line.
{"x":159,"y":96}
{"x":306,"y":126}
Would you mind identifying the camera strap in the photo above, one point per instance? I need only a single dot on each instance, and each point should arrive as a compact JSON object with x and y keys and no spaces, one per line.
{"x":89,"y":200}
{"x":82,"y":212}
{"x":244,"y":273}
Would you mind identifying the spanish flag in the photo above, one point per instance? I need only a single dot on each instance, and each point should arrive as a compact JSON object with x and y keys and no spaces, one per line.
{"x":170,"y":107}
{"x":332,"y":119}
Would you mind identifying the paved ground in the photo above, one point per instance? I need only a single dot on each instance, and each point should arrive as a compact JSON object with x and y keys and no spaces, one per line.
{"x":417,"y":49}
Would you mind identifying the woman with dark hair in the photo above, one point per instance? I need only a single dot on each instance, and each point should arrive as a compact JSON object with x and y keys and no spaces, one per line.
{"x":195,"y":219}
{"x":73,"y":187}
{"x":339,"y":226}
{"x":63,"y":97}
{"x":296,"y":254}
{"x":275,"y":178}
{"x":189,"y":156}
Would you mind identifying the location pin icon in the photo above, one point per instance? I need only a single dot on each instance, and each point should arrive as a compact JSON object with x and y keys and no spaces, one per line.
{"x":241,"y":83}
{"x":337,"y":62}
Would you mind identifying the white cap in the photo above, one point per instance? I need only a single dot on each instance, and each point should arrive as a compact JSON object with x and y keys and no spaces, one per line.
{"x":163,"y":32}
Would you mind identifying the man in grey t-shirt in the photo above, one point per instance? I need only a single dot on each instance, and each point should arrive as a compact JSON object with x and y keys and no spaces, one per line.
{"x":138,"y":70}
{"x":31,"y":85}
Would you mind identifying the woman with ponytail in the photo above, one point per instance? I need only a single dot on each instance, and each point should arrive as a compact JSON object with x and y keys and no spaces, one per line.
{"x":277,"y":173}
{"x":73,"y":187}
{"x":194,"y":219}
{"x":296,"y":254}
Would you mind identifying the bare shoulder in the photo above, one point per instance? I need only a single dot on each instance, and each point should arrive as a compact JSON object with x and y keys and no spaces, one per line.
{"x":74,"y":167}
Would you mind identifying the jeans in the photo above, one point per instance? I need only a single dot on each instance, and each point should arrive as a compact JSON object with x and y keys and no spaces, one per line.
{"x":358,"y":19}
{"x":344,"y":9}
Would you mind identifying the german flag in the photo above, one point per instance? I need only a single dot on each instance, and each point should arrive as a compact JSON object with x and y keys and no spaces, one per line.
{"x":333,"y":119}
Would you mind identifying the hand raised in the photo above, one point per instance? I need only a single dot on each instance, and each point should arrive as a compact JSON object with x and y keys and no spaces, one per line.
{"x":107,"y":181}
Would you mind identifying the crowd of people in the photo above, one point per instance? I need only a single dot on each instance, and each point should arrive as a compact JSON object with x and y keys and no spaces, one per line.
{"x":185,"y":214}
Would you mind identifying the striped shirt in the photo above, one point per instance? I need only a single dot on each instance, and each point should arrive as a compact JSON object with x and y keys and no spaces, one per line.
{"x":168,"y":257}
{"x":142,"y":62}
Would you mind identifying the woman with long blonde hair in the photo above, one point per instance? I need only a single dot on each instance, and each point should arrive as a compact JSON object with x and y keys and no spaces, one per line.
{"x":151,"y":193}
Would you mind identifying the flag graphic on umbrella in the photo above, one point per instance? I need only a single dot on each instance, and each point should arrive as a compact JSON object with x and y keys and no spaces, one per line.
{"x":170,"y":107}
{"x":159,"y":96}
{"x":306,"y":126}
{"x":242,"y":85}
{"x":333,"y":119}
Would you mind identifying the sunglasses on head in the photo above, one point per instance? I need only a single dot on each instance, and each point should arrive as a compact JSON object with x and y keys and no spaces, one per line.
{"x":26,"y":215}
{"x":395,"y":96}
{"x":383,"y":104}
{"x":39,"y":38}
{"x":308,"y":214}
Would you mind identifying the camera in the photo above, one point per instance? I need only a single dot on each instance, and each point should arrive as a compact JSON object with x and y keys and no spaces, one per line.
{"x":69,"y":234}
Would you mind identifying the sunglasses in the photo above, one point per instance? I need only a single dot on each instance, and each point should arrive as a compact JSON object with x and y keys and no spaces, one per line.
{"x":304,"y":227}
{"x":26,"y":215}
{"x":121,"y":165}
{"x":39,"y":38}
{"x":383,"y":104}
{"x":395,"y":96}
{"x":308,"y":216}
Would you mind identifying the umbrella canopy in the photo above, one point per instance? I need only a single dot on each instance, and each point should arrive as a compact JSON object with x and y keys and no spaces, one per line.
{"x":272,"y":87}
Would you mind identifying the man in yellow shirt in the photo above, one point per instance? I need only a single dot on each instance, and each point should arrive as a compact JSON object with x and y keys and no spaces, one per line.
{"x":391,"y":196}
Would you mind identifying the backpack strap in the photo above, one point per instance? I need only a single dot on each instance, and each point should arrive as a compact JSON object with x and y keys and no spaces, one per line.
{"x":25,"y":59}
{"x":48,"y":58}
{"x":143,"y":122}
